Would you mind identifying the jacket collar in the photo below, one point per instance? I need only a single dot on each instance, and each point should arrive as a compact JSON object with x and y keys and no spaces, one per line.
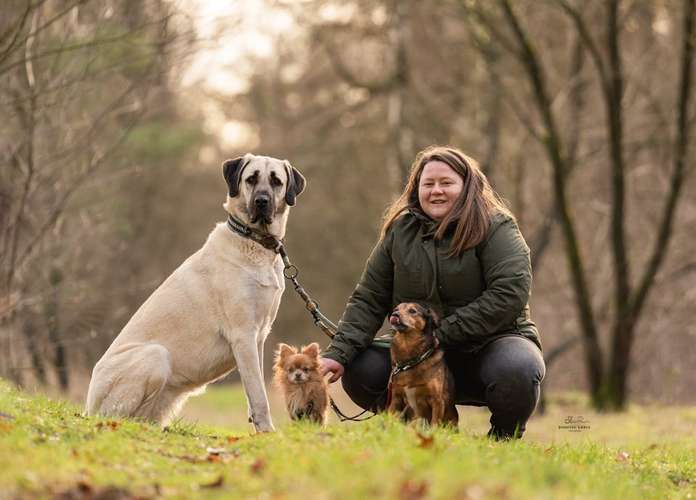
{"x":428,"y":225}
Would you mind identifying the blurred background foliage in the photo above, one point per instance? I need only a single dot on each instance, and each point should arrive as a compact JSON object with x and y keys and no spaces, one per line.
{"x":117,"y":116}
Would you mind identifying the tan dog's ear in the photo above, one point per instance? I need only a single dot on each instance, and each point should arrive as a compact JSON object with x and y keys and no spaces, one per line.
{"x":296,"y":183}
{"x":312,"y":350}
{"x":232,"y":171}
{"x":284,"y":351}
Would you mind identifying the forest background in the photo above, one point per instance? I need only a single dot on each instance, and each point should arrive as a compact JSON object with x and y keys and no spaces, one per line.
{"x":118,"y":114}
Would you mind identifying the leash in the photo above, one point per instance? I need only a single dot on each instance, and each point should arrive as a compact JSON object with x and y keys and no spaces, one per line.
{"x":342,"y":417}
{"x":290,"y":272}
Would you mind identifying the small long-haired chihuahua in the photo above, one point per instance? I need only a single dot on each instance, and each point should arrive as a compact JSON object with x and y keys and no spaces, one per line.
{"x":305,"y":390}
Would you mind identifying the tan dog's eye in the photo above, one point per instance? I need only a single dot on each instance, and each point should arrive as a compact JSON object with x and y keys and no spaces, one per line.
{"x":251,"y":180}
{"x":412,"y":310}
{"x":275,"y":182}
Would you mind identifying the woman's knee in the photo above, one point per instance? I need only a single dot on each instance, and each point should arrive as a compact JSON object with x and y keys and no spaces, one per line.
{"x":366,"y":378}
{"x":512,"y":371}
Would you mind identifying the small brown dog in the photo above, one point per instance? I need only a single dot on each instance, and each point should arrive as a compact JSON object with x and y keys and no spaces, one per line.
{"x":422,"y":385}
{"x":305,"y":390}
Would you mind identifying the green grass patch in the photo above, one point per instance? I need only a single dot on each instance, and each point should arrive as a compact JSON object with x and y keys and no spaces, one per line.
{"x":48,"y":448}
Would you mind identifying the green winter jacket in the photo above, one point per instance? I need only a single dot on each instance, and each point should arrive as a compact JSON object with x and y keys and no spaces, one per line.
{"x":480,"y":295}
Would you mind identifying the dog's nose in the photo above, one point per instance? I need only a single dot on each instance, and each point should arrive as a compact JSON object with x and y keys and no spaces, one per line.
{"x":262,"y":201}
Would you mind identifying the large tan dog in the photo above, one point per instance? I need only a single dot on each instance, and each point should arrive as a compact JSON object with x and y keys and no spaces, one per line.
{"x":213,"y":312}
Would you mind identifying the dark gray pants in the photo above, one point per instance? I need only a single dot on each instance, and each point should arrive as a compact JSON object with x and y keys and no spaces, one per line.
{"x":504,"y":376}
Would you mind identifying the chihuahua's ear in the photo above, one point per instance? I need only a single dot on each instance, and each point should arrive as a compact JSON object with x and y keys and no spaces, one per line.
{"x":284,"y":351}
{"x":312,"y":350}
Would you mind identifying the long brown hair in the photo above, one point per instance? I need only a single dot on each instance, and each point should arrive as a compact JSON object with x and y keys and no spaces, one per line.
{"x":471,"y":212}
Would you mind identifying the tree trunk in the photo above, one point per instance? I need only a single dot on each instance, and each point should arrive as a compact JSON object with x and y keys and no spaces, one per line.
{"x":54,"y":337}
{"x":29,"y":330}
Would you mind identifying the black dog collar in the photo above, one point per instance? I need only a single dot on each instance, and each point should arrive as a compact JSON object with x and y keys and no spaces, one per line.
{"x":402,"y":367}
{"x":264,"y":239}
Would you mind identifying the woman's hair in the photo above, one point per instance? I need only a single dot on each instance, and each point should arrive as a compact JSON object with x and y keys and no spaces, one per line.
{"x":471,"y":212}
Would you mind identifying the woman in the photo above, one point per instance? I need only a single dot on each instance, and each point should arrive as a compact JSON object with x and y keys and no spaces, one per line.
{"x":448,"y":241}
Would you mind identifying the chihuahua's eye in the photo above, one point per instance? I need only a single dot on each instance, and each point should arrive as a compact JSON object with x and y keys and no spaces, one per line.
{"x":305,"y":369}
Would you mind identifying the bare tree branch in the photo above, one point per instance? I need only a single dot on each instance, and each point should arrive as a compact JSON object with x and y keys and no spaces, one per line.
{"x":585,"y":36}
{"x":35,"y":29}
{"x":616,"y":150}
{"x":679,"y":171}
{"x":554,"y":149}
{"x":92,"y":165}
{"x":384,"y":85}
{"x":95,"y":42}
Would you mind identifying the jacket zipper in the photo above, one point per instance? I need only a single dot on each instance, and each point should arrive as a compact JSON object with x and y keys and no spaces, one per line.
{"x":441,"y":307}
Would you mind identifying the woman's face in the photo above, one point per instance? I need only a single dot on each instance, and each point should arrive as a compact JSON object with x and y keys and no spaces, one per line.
{"x":438,"y":189}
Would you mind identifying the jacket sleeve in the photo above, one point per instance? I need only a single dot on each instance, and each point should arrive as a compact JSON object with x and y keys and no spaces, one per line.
{"x":367,"y":307}
{"x":507,"y":273}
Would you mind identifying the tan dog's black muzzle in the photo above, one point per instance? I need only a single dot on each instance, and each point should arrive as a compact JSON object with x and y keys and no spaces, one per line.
{"x":262,"y":207}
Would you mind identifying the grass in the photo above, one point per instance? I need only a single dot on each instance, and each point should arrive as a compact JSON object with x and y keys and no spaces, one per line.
{"x":48,"y":448}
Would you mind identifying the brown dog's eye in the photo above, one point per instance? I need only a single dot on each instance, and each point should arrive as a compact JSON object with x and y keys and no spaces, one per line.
{"x":412,"y":310}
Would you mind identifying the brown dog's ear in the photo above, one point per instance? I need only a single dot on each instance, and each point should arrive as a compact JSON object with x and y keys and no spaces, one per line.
{"x":431,"y":320}
{"x":232,"y":171}
{"x":296,"y":183}
{"x":312,"y":350}
{"x":284,"y":351}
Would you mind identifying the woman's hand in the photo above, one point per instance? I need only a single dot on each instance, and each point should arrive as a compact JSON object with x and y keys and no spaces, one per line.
{"x":331,"y":366}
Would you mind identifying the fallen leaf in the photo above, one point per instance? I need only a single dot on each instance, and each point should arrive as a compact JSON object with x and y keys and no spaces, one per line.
{"x":258,"y":466}
{"x":549,"y":450}
{"x":233,"y":439}
{"x":425,"y":441}
{"x":622,"y":456}
{"x":110,"y":424}
{"x":413,"y":490}
{"x":6,"y":416}
{"x":84,"y":487}
{"x":221,"y":455}
{"x":215,"y":484}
